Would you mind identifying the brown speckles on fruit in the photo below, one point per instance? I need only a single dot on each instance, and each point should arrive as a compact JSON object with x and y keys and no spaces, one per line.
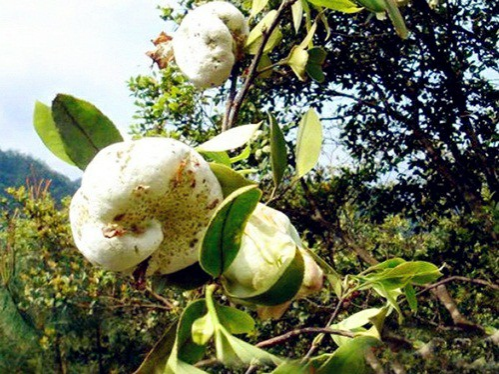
{"x":150,"y":204}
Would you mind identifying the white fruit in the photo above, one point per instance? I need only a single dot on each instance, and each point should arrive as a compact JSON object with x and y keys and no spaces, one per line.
{"x":268,"y":245}
{"x":149,"y":197}
{"x":208,"y":43}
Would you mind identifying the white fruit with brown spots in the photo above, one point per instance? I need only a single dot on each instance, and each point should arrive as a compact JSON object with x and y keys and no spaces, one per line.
{"x":151,"y":197}
{"x":209,"y":41}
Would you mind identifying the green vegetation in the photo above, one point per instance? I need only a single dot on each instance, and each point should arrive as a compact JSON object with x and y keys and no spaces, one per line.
{"x":18,"y":170}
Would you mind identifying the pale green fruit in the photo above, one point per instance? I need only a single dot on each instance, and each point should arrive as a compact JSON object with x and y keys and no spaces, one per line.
{"x":151,"y":197}
{"x":271,"y":267}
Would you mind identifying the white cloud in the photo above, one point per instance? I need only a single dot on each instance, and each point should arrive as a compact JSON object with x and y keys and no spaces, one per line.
{"x":85,"y":48}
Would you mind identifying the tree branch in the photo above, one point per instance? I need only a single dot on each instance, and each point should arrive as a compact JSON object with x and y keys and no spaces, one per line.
{"x":252,"y":71}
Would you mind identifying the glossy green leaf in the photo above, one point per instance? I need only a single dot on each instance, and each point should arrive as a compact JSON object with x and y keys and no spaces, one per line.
{"x":309,"y":143}
{"x":410,"y":295}
{"x":257,"y":6}
{"x":230,"y":139}
{"x":388,"y":264}
{"x":47,"y":131}
{"x":317,"y":55}
{"x":344,"y":6}
{"x":255,"y":36}
{"x":83,"y":128}
{"x":375,"y":6}
{"x":278,"y":151}
{"x":229,"y":349}
{"x":234,"y":320}
{"x":349,"y":358}
{"x":222,"y":239}
{"x":315,"y":72}
{"x":156,"y":359}
{"x":229,"y":179}
{"x":417,"y":272}
{"x":218,"y":157}
{"x":391,"y":297}
{"x":241,"y":156}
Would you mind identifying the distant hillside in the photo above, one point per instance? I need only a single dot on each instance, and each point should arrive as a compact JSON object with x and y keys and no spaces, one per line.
{"x":16,"y":168}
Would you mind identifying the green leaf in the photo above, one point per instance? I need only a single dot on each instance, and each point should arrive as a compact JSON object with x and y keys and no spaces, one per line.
{"x":309,"y":143}
{"x":294,"y":367}
{"x":349,"y":358}
{"x":391,"y":297}
{"x":255,"y":36}
{"x":388,"y":264}
{"x":354,"y":323}
{"x":230,"y":139}
{"x":47,"y":131}
{"x":417,"y":272}
{"x":222,"y":239}
{"x":156,"y":359}
{"x":297,"y":13}
{"x":241,"y":156}
{"x":185,"y":348}
{"x":278,"y":152}
{"x":410,"y":295}
{"x":317,"y":55}
{"x":344,"y":6}
{"x":229,"y":179}
{"x":229,"y":349}
{"x":203,"y":329}
{"x":264,"y":63}
{"x":234,"y":320}
{"x":375,"y":6}
{"x":234,"y":351}
{"x":83,"y":128}
{"x":316,"y":58}
{"x":257,"y":6}
{"x":218,"y":157}
{"x":176,"y":350}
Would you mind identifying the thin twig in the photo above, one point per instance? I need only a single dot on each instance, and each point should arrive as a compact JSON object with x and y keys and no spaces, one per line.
{"x":160,"y":298}
{"x":232,"y":95}
{"x":252,"y":71}
{"x":480,"y":282}
{"x":306,"y":330}
{"x":318,"y":340}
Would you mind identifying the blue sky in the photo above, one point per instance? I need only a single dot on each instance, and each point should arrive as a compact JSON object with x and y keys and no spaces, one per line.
{"x":86,"y":48}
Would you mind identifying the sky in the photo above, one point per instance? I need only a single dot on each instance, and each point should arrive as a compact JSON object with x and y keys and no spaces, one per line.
{"x":86,"y":48}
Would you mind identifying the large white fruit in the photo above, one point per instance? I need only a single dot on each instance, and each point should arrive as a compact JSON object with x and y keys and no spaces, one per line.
{"x":149,"y":197}
{"x":208,"y":43}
